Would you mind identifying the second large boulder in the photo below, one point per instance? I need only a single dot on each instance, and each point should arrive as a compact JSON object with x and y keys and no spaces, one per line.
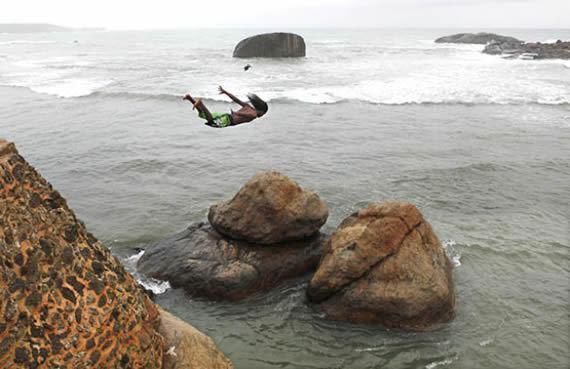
{"x":270,"y":208}
{"x":384,"y":264}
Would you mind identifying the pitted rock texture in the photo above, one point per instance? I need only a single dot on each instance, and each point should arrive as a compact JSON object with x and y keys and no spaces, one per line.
{"x":384,"y":264}
{"x":65,"y":301}
{"x":271,"y":45}
{"x":188,"y":348}
{"x":270,"y":208}
{"x":205,"y":263}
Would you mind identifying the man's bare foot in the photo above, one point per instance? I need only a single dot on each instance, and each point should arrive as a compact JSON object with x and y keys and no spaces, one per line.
{"x":197,"y":103}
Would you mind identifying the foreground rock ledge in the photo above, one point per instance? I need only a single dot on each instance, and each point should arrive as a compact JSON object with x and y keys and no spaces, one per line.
{"x":65,"y":301}
{"x":188,"y":348}
{"x":270,"y":208}
{"x":271,"y":45}
{"x":384,"y":264}
{"x":204,"y":263}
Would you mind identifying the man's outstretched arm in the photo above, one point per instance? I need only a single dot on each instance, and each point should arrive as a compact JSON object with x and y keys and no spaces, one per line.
{"x":231,"y":96}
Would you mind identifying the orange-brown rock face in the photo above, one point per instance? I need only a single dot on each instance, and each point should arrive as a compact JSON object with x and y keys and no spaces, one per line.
{"x":384,"y":264}
{"x":270,"y":208}
{"x":65,"y":301}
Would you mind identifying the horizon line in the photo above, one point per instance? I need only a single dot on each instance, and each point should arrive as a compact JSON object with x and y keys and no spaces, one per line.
{"x":162,"y":28}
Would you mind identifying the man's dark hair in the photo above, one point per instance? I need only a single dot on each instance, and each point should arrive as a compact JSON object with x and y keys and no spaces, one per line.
{"x":258,"y":103}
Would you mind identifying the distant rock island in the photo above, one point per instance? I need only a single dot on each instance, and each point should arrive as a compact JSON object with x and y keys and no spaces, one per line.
{"x":510,"y":47}
{"x":39,"y":27}
{"x":480,"y":38}
{"x":271,"y":45}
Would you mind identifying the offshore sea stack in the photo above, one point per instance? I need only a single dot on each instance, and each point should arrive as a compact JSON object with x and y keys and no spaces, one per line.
{"x":268,"y":232}
{"x":384,"y":264}
{"x":481,"y":38}
{"x":271,"y":45}
{"x":65,"y":301}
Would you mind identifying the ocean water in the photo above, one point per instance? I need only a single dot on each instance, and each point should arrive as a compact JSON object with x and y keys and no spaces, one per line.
{"x":480,"y":144}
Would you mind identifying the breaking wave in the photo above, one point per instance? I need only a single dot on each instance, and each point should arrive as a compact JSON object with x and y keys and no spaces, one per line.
{"x":92,"y":88}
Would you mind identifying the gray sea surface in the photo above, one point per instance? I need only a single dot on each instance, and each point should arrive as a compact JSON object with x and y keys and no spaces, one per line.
{"x":492,"y":177}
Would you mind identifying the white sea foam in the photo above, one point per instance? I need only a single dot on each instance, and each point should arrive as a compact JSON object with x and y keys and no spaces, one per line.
{"x":369,"y":349}
{"x":59,"y":76}
{"x":57,"y":61}
{"x":451,"y":250}
{"x":25,"y":42}
{"x":70,"y":87}
{"x":134,"y":259}
{"x":439,"y":363}
{"x":156,"y":286}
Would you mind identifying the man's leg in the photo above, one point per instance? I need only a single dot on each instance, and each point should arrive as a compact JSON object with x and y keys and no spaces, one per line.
{"x":204,"y":110}
{"x":198,"y":104}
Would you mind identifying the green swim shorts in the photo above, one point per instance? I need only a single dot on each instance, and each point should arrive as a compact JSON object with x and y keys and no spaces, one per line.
{"x":220,"y":120}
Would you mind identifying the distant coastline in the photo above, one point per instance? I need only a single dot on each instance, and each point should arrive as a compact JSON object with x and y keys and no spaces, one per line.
{"x":39,"y":27}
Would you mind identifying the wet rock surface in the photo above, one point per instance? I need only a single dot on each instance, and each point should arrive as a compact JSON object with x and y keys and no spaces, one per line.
{"x":270,"y":208}
{"x":530,"y":50}
{"x":205,"y":263}
{"x":271,"y":45}
{"x":384,"y":264}
{"x":480,"y":38}
{"x":65,"y":301}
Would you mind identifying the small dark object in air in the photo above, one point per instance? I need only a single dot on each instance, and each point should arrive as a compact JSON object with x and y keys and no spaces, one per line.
{"x":247,"y":67}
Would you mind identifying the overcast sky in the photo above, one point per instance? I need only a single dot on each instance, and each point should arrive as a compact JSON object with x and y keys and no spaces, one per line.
{"x":131,"y":14}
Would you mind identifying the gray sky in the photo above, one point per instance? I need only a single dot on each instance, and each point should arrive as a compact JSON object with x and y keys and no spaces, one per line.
{"x":131,"y":14}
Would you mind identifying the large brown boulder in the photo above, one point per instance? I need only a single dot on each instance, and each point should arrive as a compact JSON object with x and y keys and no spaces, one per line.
{"x":65,"y":301}
{"x":205,"y":263}
{"x":384,"y":264}
{"x":187,"y":347}
{"x":270,"y":208}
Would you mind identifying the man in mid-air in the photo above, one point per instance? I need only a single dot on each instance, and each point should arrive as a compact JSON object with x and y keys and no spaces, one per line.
{"x":256,"y":108}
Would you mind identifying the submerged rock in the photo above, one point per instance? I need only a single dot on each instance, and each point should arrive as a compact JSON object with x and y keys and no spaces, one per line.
{"x":203,"y":262}
{"x":270,"y":208}
{"x":481,"y":38}
{"x":384,"y":264}
{"x":188,"y":348}
{"x":271,"y":45}
{"x":65,"y":301}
